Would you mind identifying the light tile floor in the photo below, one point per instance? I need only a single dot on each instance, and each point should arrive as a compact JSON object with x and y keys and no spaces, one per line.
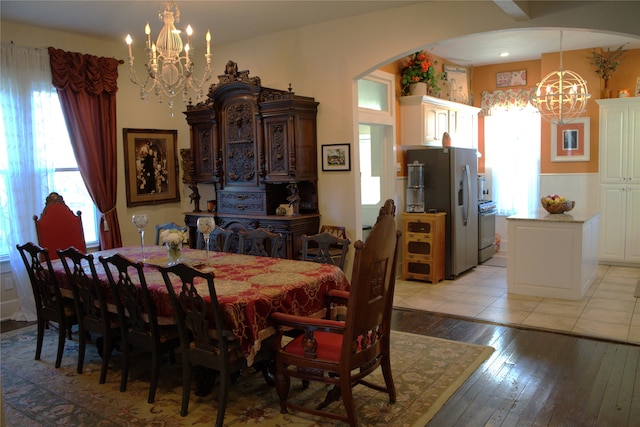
{"x":609,"y":310}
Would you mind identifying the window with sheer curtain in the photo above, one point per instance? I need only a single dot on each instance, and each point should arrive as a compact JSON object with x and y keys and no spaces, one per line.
{"x":35,"y":158}
{"x":512,"y":158}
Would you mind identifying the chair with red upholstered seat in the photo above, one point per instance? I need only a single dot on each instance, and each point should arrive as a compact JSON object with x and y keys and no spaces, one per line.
{"x":344,"y":353}
{"x":58,"y":227}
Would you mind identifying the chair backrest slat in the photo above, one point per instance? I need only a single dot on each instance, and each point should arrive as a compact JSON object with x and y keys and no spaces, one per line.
{"x":83,"y":279}
{"x":327,"y":248}
{"x":131,"y":295}
{"x":260,"y":242}
{"x":46,"y":291}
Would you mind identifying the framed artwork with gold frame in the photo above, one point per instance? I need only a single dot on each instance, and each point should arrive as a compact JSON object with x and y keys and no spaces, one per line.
{"x":151,"y":166}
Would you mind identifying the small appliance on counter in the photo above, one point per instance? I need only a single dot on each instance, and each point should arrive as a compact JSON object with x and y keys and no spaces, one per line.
{"x":415,"y":187}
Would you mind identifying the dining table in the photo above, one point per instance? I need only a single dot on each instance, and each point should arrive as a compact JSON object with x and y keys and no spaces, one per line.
{"x":249,"y":288}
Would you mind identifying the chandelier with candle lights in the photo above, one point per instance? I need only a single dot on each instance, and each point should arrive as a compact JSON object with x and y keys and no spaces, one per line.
{"x":169,"y":73}
{"x":561,"y":95}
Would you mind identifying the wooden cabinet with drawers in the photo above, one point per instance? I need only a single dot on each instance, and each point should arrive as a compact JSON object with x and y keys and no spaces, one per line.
{"x":258,"y":147}
{"x":423,"y":252}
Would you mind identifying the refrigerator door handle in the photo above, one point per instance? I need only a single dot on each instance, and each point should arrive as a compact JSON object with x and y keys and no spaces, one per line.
{"x":466,"y":176}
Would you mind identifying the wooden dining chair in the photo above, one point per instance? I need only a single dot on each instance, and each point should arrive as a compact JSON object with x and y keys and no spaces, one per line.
{"x":138,"y":320}
{"x":58,"y":227}
{"x":327,"y":248}
{"x":344,"y":353}
{"x":50,"y":305}
{"x":167,"y":226}
{"x":204,"y":340}
{"x":90,"y":299}
{"x":219,"y":240}
{"x":260,"y":242}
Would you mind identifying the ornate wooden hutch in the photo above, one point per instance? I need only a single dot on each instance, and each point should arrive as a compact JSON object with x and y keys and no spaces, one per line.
{"x":257,"y":146}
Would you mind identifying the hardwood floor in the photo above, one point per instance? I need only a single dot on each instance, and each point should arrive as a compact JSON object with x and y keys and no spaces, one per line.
{"x":536,"y":378}
{"x":533,"y":378}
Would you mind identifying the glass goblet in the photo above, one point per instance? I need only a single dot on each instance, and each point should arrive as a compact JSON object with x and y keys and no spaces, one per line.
{"x":206,"y":226}
{"x":140,"y":221}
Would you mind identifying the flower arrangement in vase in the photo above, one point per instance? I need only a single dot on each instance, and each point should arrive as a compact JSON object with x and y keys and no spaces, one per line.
{"x":173,"y":240}
{"x":420,"y":69}
{"x":606,"y":63}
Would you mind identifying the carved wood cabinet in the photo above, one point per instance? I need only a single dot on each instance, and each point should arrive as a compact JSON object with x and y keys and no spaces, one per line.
{"x":257,"y":146}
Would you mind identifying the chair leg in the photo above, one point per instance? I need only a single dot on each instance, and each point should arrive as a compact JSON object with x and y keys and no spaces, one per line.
{"x":225,"y":380}
{"x":186,"y":385}
{"x":41,"y":325}
{"x":388,"y":379}
{"x":106,"y":355}
{"x":155,"y":372}
{"x":347,"y":401}
{"x":282,"y":387}
{"x":61,"y":338}
{"x":82,"y":345}
{"x":125,"y":365}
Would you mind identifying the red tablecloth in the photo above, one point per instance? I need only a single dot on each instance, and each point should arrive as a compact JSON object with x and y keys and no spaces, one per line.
{"x":249,"y":288}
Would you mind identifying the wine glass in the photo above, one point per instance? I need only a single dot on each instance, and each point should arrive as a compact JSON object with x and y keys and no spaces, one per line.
{"x":140,"y":221}
{"x":206,"y":226}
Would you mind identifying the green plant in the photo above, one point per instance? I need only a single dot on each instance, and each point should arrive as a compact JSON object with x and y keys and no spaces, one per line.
{"x":607,"y":62}
{"x":420,"y":68}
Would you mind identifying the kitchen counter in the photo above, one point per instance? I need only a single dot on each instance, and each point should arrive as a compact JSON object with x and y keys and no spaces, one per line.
{"x":552,"y":255}
{"x":576,"y":215}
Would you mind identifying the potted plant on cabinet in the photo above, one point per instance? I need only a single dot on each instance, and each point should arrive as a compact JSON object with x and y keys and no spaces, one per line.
{"x":606,"y":63}
{"x":420,"y":69}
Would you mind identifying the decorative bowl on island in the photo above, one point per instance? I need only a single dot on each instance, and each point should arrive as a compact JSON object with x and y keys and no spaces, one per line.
{"x":556,"y":204}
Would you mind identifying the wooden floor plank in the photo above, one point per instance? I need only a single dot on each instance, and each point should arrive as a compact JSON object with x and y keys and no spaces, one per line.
{"x":536,"y":378}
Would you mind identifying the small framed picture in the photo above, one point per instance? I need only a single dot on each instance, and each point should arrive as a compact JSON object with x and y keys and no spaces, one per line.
{"x":151,"y":166}
{"x":638,"y":87}
{"x":458,"y":79}
{"x":570,"y":141}
{"x":511,"y":78}
{"x":336,"y":157}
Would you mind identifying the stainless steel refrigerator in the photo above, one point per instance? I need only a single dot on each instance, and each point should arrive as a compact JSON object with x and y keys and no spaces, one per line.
{"x":450,"y":185}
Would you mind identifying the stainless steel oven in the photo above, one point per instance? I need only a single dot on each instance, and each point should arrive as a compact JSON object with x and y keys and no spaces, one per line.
{"x":486,"y":230}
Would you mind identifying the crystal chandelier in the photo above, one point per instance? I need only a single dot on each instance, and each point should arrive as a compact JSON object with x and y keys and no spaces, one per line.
{"x":168,"y":73}
{"x":562,"y":95}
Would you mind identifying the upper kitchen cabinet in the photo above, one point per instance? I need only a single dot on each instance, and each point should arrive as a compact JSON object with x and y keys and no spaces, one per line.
{"x":620,"y":180}
{"x":424,"y":119}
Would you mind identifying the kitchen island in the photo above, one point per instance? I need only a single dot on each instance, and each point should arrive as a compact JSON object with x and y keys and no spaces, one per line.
{"x":552,"y":255}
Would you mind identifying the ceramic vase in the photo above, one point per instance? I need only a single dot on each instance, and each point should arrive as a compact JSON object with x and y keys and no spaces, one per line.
{"x":419,"y":88}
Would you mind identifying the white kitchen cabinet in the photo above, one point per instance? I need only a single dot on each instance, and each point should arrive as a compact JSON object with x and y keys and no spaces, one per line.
{"x":620,"y":180}
{"x":424,"y":119}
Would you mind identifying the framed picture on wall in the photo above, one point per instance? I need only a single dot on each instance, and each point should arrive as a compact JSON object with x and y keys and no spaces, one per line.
{"x":511,"y":78}
{"x":458,"y":82}
{"x":151,"y":166}
{"x":570,"y":141}
{"x":336,"y":157}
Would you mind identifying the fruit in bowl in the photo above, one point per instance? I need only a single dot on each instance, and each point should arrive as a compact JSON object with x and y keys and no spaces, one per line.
{"x":556,"y":204}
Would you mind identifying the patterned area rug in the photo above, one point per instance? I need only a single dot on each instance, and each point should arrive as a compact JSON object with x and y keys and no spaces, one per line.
{"x":427,"y":371}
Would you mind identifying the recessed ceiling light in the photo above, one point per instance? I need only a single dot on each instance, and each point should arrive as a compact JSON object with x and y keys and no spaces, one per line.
{"x":504,"y":54}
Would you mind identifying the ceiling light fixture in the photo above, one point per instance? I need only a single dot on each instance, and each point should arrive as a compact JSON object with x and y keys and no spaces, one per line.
{"x":562,"y":95}
{"x":504,"y":54}
{"x":168,"y":73}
